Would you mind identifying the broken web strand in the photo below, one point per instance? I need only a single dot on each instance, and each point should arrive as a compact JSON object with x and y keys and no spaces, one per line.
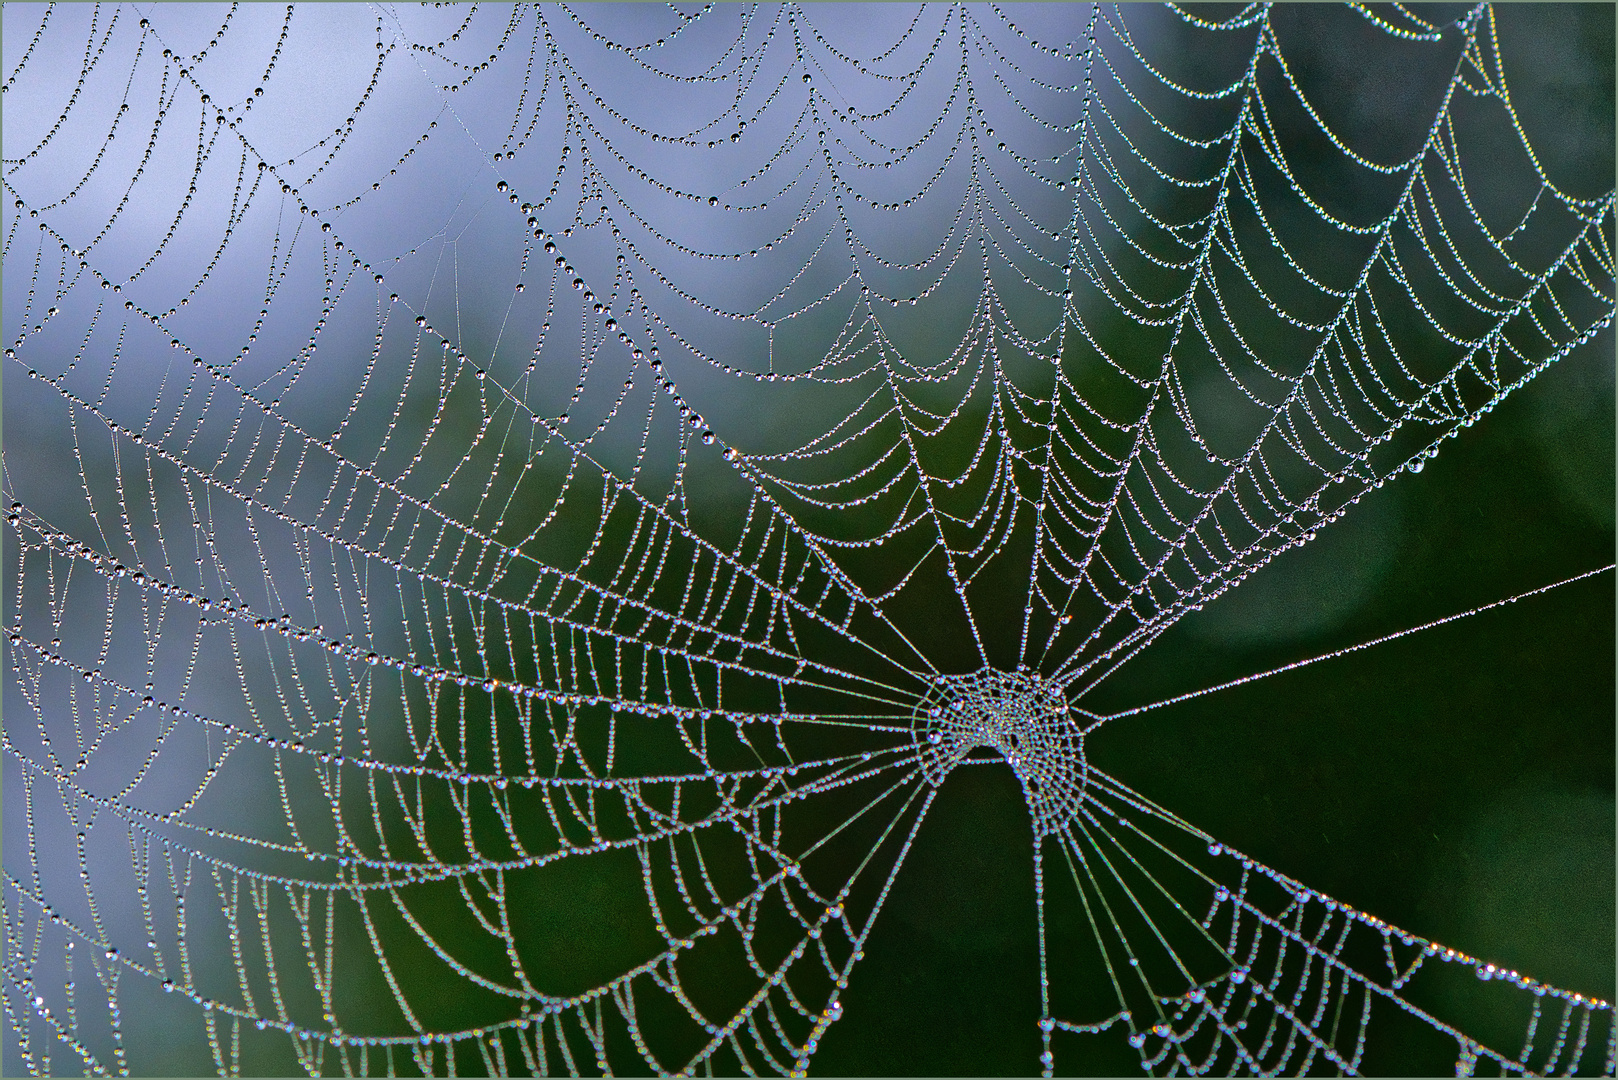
{"x":1270,"y":1013}
{"x":1290,"y":997}
{"x":1469,"y":1050}
{"x":579,"y":1028}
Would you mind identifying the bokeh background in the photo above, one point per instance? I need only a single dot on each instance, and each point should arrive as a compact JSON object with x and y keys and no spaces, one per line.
{"x":1458,"y":782}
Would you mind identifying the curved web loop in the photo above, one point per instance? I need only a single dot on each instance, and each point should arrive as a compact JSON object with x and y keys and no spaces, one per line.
{"x":538,"y":500}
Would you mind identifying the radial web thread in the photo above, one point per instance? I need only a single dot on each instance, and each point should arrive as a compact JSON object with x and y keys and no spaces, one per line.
{"x":523,"y":512}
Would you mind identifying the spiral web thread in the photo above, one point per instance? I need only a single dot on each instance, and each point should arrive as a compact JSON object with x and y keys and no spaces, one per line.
{"x":416,"y":600}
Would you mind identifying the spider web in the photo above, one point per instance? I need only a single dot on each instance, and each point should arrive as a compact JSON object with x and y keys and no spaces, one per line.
{"x":567,"y":488}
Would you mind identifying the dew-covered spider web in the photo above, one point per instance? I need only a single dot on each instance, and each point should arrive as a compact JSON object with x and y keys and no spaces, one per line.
{"x":516,"y":515}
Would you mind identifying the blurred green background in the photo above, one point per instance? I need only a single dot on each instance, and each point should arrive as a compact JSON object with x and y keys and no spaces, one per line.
{"x":1458,"y":783}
